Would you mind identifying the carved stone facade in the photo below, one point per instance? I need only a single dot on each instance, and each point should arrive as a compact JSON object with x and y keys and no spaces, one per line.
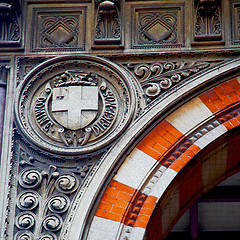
{"x":58,"y":28}
{"x":104,"y":104}
{"x":11,"y":23}
{"x":208,"y":20}
{"x":158,"y":27}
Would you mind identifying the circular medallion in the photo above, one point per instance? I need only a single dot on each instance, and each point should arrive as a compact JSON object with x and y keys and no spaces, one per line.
{"x":75,"y":105}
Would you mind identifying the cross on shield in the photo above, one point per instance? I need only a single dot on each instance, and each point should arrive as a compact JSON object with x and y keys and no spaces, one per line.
{"x":75,"y":107}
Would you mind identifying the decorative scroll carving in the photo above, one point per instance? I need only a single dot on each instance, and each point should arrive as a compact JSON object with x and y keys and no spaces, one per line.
{"x":208,"y":21}
{"x":28,"y":200}
{"x":25,"y":220}
{"x":24,"y":235}
{"x":44,"y":197}
{"x":47,"y":236}
{"x":52,"y":222}
{"x":58,"y":203}
{"x":30,"y":178}
{"x":108,"y":27}
{"x":156,"y":78}
{"x":67,"y":184}
{"x":10,"y":23}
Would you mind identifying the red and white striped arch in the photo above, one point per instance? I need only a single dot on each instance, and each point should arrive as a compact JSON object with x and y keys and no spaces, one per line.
{"x":136,"y":191}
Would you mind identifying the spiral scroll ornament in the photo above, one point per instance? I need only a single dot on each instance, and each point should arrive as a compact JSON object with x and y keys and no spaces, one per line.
{"x":30,"y":178}
{"x":52,"y":222}
{"x":156,"y":78}
{"x":25,"y":220}
{"x":47,"y":236}
{"x":67,"y":184}
{"x":58,"y":203}
{"x":28,"y":200}
{"x":24,"y":235}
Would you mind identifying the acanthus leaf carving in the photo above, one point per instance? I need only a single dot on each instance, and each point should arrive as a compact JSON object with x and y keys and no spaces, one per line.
{"x":108,"y":27}
{"x":10,"y":23}
{"x":208,"y":21}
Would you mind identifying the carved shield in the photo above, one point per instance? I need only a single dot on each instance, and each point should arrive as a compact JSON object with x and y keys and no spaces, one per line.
{"x":75,"y":107}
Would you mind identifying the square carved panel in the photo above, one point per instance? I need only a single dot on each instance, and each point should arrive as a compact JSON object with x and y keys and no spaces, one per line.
{"x":58,"y":29}
{"x":235,"y":23}
{"x":158,"y":27}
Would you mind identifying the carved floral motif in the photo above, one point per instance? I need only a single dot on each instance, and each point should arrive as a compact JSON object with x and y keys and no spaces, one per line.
{"x":208,"y":21}
{"x":108,"y":28}
{"x":10,"y":22}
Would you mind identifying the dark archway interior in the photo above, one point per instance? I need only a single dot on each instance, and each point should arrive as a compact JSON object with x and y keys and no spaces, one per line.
{"x":215,"y":215}
{"x":208,"y":205}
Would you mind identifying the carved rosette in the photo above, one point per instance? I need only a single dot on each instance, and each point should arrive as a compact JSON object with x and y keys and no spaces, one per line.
{"x":75,"y":105}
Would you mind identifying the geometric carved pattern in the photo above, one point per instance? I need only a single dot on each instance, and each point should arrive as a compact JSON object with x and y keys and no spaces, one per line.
{"x":157,"y":27}
{"x":59,"y":31}
{"x":60,"y":28}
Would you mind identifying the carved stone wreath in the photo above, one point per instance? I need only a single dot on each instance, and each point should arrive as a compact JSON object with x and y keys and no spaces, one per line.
{"x":75,"y":105}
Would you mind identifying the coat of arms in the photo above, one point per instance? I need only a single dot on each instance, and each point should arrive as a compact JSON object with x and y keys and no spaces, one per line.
{"x":75,"y":99}
{"x":75,"y":104}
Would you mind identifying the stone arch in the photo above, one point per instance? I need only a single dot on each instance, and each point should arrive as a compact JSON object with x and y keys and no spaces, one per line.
{"x":127,"y":191}
{"x":210,"y":167}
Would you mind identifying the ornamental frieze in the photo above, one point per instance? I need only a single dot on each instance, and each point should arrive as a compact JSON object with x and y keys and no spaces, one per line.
{"x":75,"y":105}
